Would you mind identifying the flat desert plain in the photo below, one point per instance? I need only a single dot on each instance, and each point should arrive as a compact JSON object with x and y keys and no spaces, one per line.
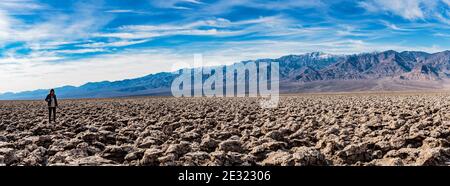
{"x":307,"y":129}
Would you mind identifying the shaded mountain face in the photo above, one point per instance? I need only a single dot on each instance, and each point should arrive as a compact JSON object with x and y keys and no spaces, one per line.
{"x":290,"y":65}
{"x":388,"y":64}
{"x":388,"y":70}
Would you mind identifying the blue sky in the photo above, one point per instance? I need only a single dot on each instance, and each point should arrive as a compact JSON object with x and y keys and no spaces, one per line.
{"x":51,"y":43}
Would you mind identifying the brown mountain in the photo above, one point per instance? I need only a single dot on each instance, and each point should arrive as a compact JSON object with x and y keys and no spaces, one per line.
{"x":388,"y":64}
{"x":384,"y":71}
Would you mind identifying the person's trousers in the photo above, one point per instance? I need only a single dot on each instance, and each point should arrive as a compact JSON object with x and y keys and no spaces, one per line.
{"x":50,"y":111}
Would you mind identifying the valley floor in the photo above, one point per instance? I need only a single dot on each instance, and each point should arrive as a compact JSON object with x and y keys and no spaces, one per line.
{"x":306,"y":129}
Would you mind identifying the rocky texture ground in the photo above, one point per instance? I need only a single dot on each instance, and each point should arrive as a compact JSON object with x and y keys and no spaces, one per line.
{"x":349,"y":129}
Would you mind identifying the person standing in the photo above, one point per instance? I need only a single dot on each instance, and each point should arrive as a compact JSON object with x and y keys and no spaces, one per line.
{"x":52,"y":104}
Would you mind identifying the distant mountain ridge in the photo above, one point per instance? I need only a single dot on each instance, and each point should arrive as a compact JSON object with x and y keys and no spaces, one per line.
{"x":404,"y":65}
{"x":153,"y":84}
{"x":311,"y":72}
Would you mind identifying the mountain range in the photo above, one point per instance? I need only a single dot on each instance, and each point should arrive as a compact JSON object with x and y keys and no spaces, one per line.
{"x":311,"y":72}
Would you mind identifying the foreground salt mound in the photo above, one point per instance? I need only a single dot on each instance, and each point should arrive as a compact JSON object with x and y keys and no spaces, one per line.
{"x":350,"y":129}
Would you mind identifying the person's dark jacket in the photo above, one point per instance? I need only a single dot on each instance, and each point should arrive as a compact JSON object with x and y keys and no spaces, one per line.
{"x":48,"y":99}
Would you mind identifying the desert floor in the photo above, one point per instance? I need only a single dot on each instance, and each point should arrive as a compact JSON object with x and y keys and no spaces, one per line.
{"x":326,"y":129}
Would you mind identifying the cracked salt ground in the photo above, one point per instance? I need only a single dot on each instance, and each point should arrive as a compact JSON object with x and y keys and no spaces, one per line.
{"x":346,"y":129}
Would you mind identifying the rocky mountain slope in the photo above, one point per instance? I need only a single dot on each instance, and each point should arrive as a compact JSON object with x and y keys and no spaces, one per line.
{"x":388,"y":64}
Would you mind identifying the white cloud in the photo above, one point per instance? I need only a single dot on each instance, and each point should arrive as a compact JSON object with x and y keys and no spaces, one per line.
{"x":25,"y":60}
{"x":151,"y":31}
{"x":194,"y":1}
{"x":120,"y":43}
{"x":411,"y":9}
{"x":399,"y":28}
{"x":287,"y":4}
{"x":215,"y":22}
{"x":80,"y":51}
{"x":446,"y":2}
{"x":224,"y":6}
{"x":48,"y":45}
{"x":175,"y":4}
{"x":126,"y":11}
{"x":408,"y":9}
{"x":58,"y":27}
{"x":5,"y":26}
{"x":445,"y":35}
{"x":126,"y":35}
{"x":120,"y":11}
{"x":218,"y":27}
{"x":78,"y":25}
{"x":14,"y":7}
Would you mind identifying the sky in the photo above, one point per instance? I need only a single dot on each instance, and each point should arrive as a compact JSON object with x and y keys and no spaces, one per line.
{"x":51,"y":43}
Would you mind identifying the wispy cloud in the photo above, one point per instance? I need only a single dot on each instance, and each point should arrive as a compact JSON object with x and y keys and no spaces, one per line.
{"x":5,"y":26}
{"x":446,"y":2}
{"x":264,"y":26}
{"x":120,"y":11}
{"x":176,"y":4}
{"x":60,"y":26}
{"x":219,"y":27}
{"x":22,"y":61}
{"x":126,"y":11}
{"x":80,"y":51}
{"x":20,"y":7}
{"x":395,"y":27}
{"x":120,"y":43}
{"x":224,"y":6}
{"x":410,"y":9}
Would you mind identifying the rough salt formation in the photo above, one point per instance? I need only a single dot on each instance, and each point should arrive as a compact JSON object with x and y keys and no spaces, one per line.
{"x":348,"y":129}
